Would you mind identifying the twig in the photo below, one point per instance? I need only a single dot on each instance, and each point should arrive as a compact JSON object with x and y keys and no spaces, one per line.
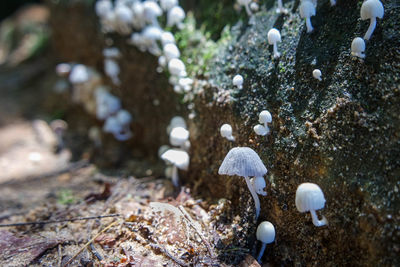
{"x":89,"y":242}
{"x":186,"y":216}
{"x":95,"y":253}
{"x":60,"y":221}
{"x":178,"y":261}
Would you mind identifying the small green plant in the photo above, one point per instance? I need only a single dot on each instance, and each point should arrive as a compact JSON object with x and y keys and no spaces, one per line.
{"x":65,"y":197}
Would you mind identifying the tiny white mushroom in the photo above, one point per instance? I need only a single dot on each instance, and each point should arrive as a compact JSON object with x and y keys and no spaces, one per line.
{"x":179,"y":159}
{"x":226,"y":132}
{"x":266,"y":234}
{"x":176,"y":121}
{"x":175,"y":16}
{"x":265,"y":117}
{"x":358,"y":47}
{"x":333,"y":2}
{"x":371,"y":9}
{"x":176,"y":67}
{"x":254,"y":7}
{"x":151,"y":10}
{"x":178,"y":136}
{"x":317,"y":74}
{"x":244,"y":162}
{"x":307,"y":10}
{"x":79,"y":74}
{"x":168,"y":4}
{"x":171,"y":51}
{"x":309,"y":197}
{"x":167,"y":38}
{"x":238,"y":81}
{"x":261,"y":130}
{"x":274,"y":36}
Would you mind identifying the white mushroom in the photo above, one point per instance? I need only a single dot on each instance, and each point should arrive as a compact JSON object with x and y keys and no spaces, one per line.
{"x":244,"y":161}
{"x":280,"y":8}
{"x":266,"y":234}
{"x":238,"y":81}
{"x":178,"y":136}
{"x":274,"y":36}
{"x":179,"y":159}
{"x":307,"y":10}
{"x":309,"y":197}
{"x":151,"y":10}
{"x":261,"y":130}
{"x":226,"y":132}
{"x":246,"y":4}
{"x":259,"y":185}
{"x":175,"y":16}
{"x":171,"y":51}
{"x":176,"y":67}
{"x":317,"y":74}
{"x":371,"y":9}
{"x":358,"y":47}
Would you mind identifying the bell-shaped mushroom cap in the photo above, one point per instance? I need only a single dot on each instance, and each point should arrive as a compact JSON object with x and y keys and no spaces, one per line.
{"x":309,"y":196}
{"x":371,"y":9}
{"x":124,"y":117}
{"x":151,"y":9}
{"x":266,"y":232}
{"x":274,"y":36}
{"x":307,"y":9}
{"x":242,"y":161}
{"x":237,"y":80}
{"x":178,"y":136}
{"x":177,"y":157}
{"x":226,"y":130}
{"x":265,"y":117}
{"x":358,"y":45}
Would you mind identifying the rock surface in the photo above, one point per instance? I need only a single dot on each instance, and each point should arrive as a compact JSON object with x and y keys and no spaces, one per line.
{"x":341,"y":133}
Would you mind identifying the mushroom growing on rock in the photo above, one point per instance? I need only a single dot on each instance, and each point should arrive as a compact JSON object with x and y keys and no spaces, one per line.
{"x":264,"y":118}
{"x":371,"y":9}
{"x":179,"y":159}
{"x":274,"y":36}
{"x":358,"y":47}
{"x":317,"y":74}
{"x":238,"y":81}
{"x":309,"y":197}
{"x":307,"y":10}
{"x":226,"y":132}
{"x":266,"y":234}
{"x":244,"y":161}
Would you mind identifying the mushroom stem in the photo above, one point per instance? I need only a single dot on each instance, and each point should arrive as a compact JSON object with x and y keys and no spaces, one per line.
{"x":316,"y":221}
{"x":155,"y":23}
{"x":248,"y":10}
{"x":175,"y":176}
{"x":276,"y":53}
{"x":371,"y":29}
{"x":309,"y":25}
{"x":254,"y":195}
{"x":261,"y":253}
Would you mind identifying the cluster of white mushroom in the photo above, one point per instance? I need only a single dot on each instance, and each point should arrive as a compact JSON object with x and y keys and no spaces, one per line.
{"x":88,"y":90}
{"x":264,"y":118}
{"x":245,"y":162}
{"x":177,"y":156}
{"x":140,"y":20}
{"x":370,"y":9}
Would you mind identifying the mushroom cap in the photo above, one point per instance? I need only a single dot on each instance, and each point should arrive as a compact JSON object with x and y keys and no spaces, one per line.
{"x":261,"y":130}
{"x":274,"y":36}
{"x":176,"y":67}
{"x":177,"y":157}
{"x":168,"y":4}
{"x":317,"y":73}
{"x":178,"y":136}
{"x":307,"y":9}
{"x":371,"y":9}
{"x":124,"y":14}
{"x":79,"y":74}
{"x":151,"y":33}
{"x":103,"y":7}
{"x":151,"y":9}
{"x":309,"y":196}
{"x":266,"y":232}
{"x":176,"y":121}
{"x":237,"y":80}
{"x":124,"y":117}
{"x":226,"y":130}
{"x":358,"y":45}
{"x":171,"y":51}
{"x":242,"y":161}
{"x":112,"y":125}
{"x":265,"y":117}
{"x":167,"y":38}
